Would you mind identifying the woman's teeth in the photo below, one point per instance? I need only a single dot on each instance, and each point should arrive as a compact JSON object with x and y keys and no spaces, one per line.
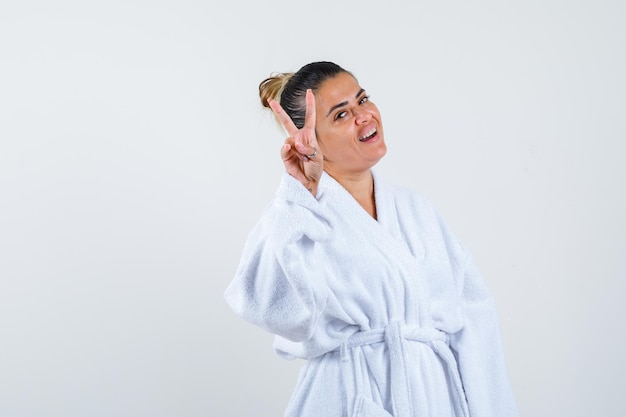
{"x":368,"y":135}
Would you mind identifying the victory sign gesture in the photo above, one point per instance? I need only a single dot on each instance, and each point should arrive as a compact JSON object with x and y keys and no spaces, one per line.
{"x":301,"y":154}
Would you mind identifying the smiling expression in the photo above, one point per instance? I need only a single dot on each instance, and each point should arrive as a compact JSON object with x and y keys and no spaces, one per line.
{"x":348,"y":126}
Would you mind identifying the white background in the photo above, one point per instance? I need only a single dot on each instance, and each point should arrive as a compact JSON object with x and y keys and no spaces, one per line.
{"x":135,"y":157}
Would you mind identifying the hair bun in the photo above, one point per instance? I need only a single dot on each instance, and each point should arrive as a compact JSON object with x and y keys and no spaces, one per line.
{"x":271,"y":87}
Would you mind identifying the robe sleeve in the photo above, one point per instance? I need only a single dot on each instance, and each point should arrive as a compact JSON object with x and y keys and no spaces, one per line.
{"x":277,"y":286}
{"x":478,"y":347}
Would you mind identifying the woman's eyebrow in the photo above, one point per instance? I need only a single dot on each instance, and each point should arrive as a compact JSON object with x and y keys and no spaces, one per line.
{"x":343,"y":103}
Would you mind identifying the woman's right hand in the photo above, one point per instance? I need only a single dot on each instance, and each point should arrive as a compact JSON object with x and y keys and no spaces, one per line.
{"x":301,"y":154}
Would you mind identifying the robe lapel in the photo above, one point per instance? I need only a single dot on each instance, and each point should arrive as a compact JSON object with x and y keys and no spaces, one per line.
{"x":384,"y":234}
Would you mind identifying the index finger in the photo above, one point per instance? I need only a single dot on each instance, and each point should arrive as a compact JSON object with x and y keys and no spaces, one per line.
{"x":283,"y":117}
{"x":309,"y":116}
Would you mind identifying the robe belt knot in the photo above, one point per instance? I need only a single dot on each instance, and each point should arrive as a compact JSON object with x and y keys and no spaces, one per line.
{"x":392,"y":335}
{"x":395,"y":335}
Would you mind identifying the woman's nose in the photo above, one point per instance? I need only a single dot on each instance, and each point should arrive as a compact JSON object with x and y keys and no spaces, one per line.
{"x":362,"y":116}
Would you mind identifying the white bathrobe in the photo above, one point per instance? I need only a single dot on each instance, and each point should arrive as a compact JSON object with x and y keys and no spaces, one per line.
{"x":391,"y":314}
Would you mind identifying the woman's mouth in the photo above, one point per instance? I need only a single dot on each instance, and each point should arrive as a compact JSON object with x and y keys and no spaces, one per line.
{"x":368,"y":135}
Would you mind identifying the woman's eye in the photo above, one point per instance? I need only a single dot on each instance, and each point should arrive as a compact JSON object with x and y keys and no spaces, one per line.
{"x":364,"y":99}
{"x":341,"y":115}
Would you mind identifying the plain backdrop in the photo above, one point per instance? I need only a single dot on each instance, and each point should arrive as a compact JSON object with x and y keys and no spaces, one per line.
{"x":135,"y":157}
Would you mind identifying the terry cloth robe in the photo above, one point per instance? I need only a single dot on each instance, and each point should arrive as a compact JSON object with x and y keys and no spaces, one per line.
{"x":391,"y":314}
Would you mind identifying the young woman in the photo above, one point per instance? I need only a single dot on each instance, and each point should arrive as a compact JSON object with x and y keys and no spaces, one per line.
{"x":361,"y":278}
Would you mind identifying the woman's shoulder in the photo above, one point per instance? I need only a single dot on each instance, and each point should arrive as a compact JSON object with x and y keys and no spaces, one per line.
{"x":293,"y":212}
{"x":416,"y":211}
{"x":404,"y":196}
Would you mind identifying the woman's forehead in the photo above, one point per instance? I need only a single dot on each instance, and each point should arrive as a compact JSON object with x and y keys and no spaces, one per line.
{"x":343,"y":87}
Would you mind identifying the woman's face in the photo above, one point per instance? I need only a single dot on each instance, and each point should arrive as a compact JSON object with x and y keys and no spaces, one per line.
{"x":348,"y":126}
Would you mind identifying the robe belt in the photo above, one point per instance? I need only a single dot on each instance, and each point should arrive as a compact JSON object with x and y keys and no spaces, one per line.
{"x":395,"y":335}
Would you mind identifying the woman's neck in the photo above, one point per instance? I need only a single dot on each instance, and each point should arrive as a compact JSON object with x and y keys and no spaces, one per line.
{"x":361,"y":187}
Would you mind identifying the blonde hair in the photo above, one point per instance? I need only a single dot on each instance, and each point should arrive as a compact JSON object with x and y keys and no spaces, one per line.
{"x":272,"y":87}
